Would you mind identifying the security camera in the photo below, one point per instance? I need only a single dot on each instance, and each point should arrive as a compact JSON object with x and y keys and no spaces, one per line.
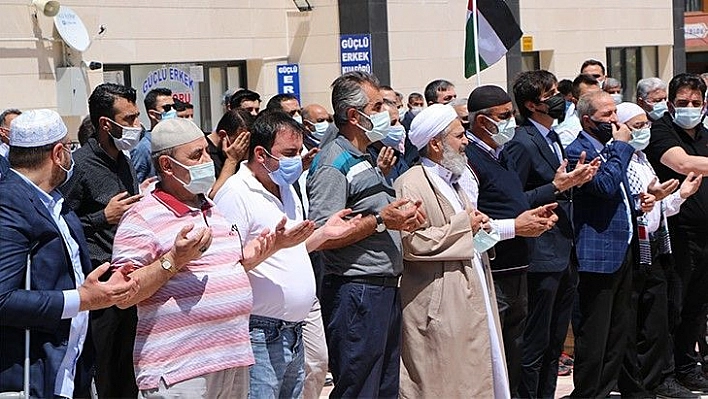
{"x":94,"y":65}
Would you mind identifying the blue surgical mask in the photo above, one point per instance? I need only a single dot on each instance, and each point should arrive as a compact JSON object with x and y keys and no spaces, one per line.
{"x":688,"y":117}
{"x":380,"y":122}
{"x":168,"y":115}
{"x":201,"y":177}
{"x":640,"y":138}
{"x":506,"y":128}
{"x":617,"y":98}
{"x":395,"y":135}
{"x":320,"y":129}
{"x":658,"y":110}
{"x":70,"y":171}
{"x":289,"y":170}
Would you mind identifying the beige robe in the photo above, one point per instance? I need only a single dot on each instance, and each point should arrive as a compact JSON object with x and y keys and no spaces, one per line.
{"x":446,"y":348}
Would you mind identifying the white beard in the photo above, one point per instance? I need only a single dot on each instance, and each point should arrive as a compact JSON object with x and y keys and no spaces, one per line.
{"x":453,"y":160}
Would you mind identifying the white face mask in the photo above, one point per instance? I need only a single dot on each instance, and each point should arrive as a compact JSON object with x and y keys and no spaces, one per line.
{"x":640,"y":138}
{"x":688,"y":117}
{"x":506,"y":129}
{"x":658,"y":110}
{"x":401,"y":112}
{"x":617,"y":98}
{"x":416,"y":110}
{"x":380,"y":123}
{"x":395,"y":136}
{"x":130,"y":136}
{"x":298,"y":118}
{"x":320,"y":129}
{"x":201,"y":177}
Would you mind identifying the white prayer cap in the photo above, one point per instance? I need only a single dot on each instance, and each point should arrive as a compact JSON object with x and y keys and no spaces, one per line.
{"x":429,"y":123}
{"x":627,"y":111}
{"x":174,"y":132}
{"x":36,"y":128}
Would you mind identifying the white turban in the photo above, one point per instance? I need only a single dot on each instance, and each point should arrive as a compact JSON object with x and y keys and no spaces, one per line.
{"x":627,"y":111}
{"x":429,"y":123}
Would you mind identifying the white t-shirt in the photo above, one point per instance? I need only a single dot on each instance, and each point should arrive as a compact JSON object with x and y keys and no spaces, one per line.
{"x":284,"y":284}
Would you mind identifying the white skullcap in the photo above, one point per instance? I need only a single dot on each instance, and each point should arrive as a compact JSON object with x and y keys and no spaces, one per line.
{"x":174,"y":132}
{"x":429,"y":123}
{"x":36,"y":128}
{"x":627,"y":111}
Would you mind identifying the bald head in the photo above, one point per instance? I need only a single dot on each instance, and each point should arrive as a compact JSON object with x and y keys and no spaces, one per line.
{"x":315,"y":113}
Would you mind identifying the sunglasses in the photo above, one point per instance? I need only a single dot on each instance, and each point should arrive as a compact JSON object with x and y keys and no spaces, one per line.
{"x":167,"y":107}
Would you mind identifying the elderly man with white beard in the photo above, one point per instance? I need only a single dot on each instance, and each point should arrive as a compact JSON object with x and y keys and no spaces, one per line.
{"x":451,"y":335}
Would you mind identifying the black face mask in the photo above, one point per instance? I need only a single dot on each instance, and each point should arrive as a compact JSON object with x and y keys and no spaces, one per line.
{"x":602,"y":130}
{"x":556,"y":107}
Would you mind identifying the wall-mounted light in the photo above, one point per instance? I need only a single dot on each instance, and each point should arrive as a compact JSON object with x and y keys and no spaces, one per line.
{"x":49,"y":8}
{"x":303,"y":5}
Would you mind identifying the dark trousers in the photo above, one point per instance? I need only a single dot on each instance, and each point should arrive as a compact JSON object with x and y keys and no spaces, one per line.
{"x":691,"y":256}
{"x":363,"y":330}
{"x":113,"y":332}
{"x":601,"y":337}
{"x":512,"y":301}
{"x":550,"y":299}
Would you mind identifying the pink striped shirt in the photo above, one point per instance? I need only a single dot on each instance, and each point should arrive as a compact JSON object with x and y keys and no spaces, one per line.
{"x":197,"y":323}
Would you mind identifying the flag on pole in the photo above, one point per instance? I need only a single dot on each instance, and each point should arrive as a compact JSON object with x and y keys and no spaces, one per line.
{"x":498,"y":32}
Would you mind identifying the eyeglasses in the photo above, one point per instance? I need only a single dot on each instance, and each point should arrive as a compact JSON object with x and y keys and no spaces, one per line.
{"x":167,"y":107}
{"x":641,"y":125}
{"x":596,"y":75}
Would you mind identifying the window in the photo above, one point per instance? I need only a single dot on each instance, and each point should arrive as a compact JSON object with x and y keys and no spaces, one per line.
{"x":693,"y":6}
{"x":530,"y":61}
{"x":630,"y":64}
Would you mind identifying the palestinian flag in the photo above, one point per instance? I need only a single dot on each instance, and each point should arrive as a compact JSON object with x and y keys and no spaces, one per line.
{"x":498,"y":32}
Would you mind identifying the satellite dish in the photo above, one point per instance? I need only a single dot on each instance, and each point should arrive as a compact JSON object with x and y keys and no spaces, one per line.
{"x":71,"y":29}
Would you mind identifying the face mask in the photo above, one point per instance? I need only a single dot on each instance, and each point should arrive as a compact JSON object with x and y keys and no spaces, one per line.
{"x":556,"y":106}
{"x":416,"y":110}
{"x":380,"y":123}
{"x":395,"y":136}
{"x":320,"y":129}
{"x":168,"y":115}
{"x":484,"y":241}
{"x":298,"y":118}
{"x":70,"y":171}
{"x":505,"y":130}
{"x":688,"y":117}
{"x":289,"y":170}
{"x":130,"y":137}
{"x":201,"y":177}
{"x":617,"y":98}
{"x":401,"y":112}
{"x":658,"y":110}
{"x":603,"y":131}
{"x":640,"y":138}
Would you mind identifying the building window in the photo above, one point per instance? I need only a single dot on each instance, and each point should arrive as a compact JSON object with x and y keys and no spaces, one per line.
{"x":694,"y":6}
{"x":630,"y":64}
{"x":530,"y":61}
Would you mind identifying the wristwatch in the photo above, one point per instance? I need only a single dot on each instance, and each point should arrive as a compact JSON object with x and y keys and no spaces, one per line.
{"x":167,"y":265}
{"x":380,"y":225}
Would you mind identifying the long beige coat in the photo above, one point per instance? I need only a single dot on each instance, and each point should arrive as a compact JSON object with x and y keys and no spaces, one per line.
{"x":446,"y":351}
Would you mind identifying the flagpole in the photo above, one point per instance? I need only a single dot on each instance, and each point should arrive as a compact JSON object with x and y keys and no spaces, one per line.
{"x":475,"y":28}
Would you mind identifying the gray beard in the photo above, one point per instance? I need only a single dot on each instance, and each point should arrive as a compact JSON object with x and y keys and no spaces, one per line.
{"x":453,"y":161}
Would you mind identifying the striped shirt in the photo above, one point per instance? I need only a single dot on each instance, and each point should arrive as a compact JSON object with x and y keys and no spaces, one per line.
{"x":197,"y":323}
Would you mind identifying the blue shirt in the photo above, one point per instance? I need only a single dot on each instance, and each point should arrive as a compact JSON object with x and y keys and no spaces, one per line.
{"x":141,"y":158}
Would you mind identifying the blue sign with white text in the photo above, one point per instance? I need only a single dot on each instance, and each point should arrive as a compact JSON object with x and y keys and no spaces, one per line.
{"x":355,"y":52}
{"x":289,"y":79}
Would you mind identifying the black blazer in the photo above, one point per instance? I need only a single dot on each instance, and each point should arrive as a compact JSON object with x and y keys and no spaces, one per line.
{"x":533,"y":160}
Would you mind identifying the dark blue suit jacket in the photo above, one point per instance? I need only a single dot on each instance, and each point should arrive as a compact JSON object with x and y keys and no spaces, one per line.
{"x":26,"y":227}
{"x":599,"y":213}
{"x":4,"y":166}
{"x":530,"y":156}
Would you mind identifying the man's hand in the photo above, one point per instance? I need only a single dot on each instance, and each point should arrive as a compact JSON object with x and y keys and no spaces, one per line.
{"x":690,"y":185}
{"x":286,"y":238}
{"x":535,"y":222}
{"x":238,"y":150}
{"x":621,"y":132}
{"x":118,"y":205}
{"x":258,"y":249}
{"x":186,"y":248}
{"x":661,"y":191}
{"x":307,"y":158}
{"x":146,"y":184}
{"x":478,"y":220}
{"x":583,"y":173}
{"x":337,"y":227}
{"x":386,"y":160}
{"x":646,"y":202}
{"x":403,"y":214}
{"x":95,"y":294}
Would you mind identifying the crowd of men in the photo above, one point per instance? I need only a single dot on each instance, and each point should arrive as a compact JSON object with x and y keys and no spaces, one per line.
{"x":441,"y":250}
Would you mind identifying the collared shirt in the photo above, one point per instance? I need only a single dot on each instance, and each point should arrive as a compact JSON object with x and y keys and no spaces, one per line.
{"x":4,"y":150}
{"x":97,"y":179}
{"x":283,"y":284}
{"x":569,"y":129}
{"x":64,"y":383}
{"x":551,"y":144}
{"x":481,"y":144}
{"x":672,"y":203}
{"x":197,"y":322}
{"x":599,"y":147}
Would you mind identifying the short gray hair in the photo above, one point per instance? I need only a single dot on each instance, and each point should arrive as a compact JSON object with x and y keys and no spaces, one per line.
{"x":587,"y":105}
{"x":348,"y":92}
{"x":610,"y":83}
{"x":155,"y":158}
{"x":473,"y":115}
{"x":648,"y":85}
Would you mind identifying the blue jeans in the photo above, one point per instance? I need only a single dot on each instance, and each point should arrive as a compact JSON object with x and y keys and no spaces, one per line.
{"x":279,"y":371}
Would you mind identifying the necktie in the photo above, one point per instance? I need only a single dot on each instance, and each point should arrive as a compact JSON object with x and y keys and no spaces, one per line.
{"x":555,"y":144}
